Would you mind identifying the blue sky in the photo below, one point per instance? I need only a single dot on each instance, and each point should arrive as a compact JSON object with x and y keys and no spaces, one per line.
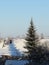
{"x":15,"y":16}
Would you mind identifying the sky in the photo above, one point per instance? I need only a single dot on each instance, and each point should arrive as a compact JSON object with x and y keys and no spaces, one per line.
{"x":15,"y":16}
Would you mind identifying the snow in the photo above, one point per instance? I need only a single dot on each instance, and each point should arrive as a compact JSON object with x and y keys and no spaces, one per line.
{"x":16,"y":48}
{"x":20,"y":44}
{"x":1,"y":44}
{"x":44,"y":42}
{"x":11,"y":50}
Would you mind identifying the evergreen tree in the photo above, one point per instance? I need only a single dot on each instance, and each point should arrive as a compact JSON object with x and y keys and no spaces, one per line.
{"x":31,"y":41}
{"x":37,"y":55}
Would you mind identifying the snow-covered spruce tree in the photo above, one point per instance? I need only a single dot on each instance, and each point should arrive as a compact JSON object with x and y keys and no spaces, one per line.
{"x":37,"y":55}
{"x":31,"y":41}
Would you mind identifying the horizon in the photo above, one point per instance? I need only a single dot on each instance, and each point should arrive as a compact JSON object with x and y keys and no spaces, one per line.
{"x":15,"y":17}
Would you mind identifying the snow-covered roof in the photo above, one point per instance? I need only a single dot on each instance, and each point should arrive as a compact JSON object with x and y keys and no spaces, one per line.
{"x":16,"y":48}
{"x":11,"y":50}
{"x":20,"y":44}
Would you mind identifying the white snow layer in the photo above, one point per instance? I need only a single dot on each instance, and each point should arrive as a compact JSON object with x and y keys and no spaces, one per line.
{"x":17,"y":47}
{"x":14,"y":49}
{"x":44,"y":42}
